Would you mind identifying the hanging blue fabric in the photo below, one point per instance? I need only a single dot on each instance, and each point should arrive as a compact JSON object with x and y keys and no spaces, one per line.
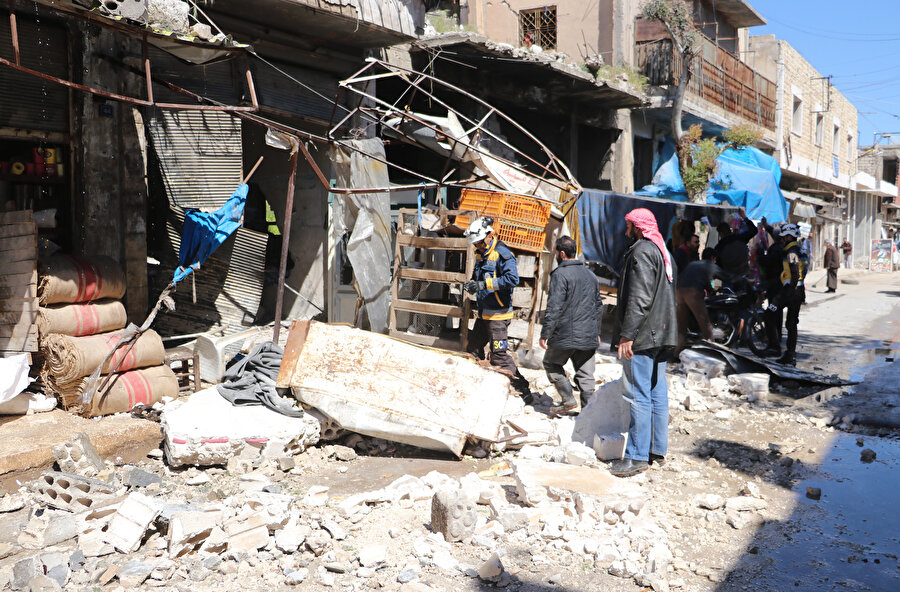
{"x":203,"y":232}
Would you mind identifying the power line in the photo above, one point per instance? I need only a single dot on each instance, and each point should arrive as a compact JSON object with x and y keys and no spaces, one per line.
{"x":840,"y":35}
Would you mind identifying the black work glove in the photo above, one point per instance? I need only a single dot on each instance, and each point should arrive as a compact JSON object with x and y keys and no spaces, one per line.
{"x":472,"y":286}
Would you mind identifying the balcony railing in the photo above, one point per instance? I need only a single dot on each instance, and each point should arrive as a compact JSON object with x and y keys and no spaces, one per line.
{"x":718,"y":77}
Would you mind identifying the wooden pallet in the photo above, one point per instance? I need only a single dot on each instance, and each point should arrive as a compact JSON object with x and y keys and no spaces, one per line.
{"x":441,"y":309}
{"x":18,"y":283}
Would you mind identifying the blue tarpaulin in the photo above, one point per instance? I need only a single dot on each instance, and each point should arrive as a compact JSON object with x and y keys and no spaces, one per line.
{"x":601,"y":220}
{"x":203,"y":232}
{"x":747,"y":178}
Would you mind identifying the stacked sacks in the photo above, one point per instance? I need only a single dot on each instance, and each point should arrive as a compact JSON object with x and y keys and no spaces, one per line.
{"x":78,"y":323}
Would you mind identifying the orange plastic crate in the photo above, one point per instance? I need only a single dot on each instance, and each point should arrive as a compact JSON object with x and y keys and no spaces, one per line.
{"x":525,"y":238}
{"x":511,"y":207}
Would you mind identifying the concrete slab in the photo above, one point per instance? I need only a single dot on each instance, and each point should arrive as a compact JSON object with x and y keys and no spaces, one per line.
{"x":26,"y":441}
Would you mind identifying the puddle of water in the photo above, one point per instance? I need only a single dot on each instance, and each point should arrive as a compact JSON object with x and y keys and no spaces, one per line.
{"x":850,"y":538}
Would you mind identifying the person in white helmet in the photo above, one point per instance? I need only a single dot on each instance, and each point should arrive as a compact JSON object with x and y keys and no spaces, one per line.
{"x":493,"y":279}
{"x":792,"y":295}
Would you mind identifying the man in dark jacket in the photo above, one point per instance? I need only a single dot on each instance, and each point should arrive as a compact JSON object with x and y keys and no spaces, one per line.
{"x":688,"y":252}
{"x":733,"y":252}
{"x":493,"y":279}
{"x":791,"y":296}
{"x":645,"y":333}
{"x":571,"y":326}
{"x":832,"y":264}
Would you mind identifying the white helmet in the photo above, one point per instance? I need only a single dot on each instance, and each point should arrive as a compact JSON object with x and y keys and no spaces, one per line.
{"x":790,"y":230}
{"x":479,"y":229}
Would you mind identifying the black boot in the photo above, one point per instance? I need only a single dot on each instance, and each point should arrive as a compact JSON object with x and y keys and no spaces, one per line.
{"x":627,"y":467}
{"x":773,"y":351}
{"x":788,"y":359}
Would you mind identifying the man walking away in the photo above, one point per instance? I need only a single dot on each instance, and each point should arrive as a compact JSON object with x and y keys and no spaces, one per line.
{"x":690,"y":296}
{"x":791,"y":296}
{"x":832,"y":264}
{"x":846,"y":248}
{"x":571,"y":326}
{"x":493,"y":279}
{"x":688,"y":252}
{"x":645,"y":333}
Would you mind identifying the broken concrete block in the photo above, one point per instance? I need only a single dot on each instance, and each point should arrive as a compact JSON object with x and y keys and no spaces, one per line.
{"x":745,"y":504}
{"x":373,"y":555}
{"x":11,"y":503}
{"x":491,"y":569}
{"x":131,"y":521}
{"x":247,"y":532}
{"x":535,"y":479}
{"x":208,"y":430}
{"x":608,"y":412}
{"x":92,"y":544}
{"x":24,"y":571}
{"x":453,"y":515}
{"x":189,"y":530}
{"x":316,"y":496}
{"x":755,"y":386}
{"x":132,"y":574}
{"x":49,"y":528}
{"x":289,"y":538}
{"x":68,"y":491}
{"x":171,"y":15}
{"x":707,"y":365}
{"x":202,"y":31}
{"x":56,"y":567}
{"x":216,"y":542}
{"x":576,"y":453}
{"x":738,"y":520}
{"x":710,"y":501}
{"x":610,"y":446}
{"x":136,"y":477}
{"x":78,"y":456}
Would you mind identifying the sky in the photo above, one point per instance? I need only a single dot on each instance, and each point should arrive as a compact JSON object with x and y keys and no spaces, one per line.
{"x":856,"y":42}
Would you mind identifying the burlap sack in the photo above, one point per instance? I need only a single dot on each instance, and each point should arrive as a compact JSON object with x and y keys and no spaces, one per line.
{"x":70,"y":358}
{"x":124,"y":391}
{"x":78,"y":320}
{"x":68,"y":279}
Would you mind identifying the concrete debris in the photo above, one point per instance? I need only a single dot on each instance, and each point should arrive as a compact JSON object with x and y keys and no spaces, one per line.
{"x":708,"y":366}
{"x":75,"y":493}
{"x":43,"y":583}
{"x":750,"y":488}
{"x":208,"y":430}
{"x":610,"y":446}
{"x":745,"y":504}
{"x":247,"y":532}
{"x":170,"y":15}
{"x":135,"y":477}
{"x":373,"y":556}
{"x":710,"y":501}
{"x":131,"y":521}
{"x":189,"y":530}
{"x":754,"y":386}
{"x":316,"y":496}
{"x":606,"y":414}
{"x":78,"y":456}
{"x":11,"y":503}
{"x":132,"y":574}
{"x":536,"y":479}
{"x":363,"y":393}
{"x":491,"y":569}
{"x":46,"y":528}
{"x":453,"y":515}
{"x":26,"y":570}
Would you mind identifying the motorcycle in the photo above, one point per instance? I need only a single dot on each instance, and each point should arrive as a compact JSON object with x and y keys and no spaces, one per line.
{"x":737,"y":318}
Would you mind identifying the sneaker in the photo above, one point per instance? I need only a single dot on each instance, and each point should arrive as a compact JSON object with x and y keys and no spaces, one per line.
{"x":771,"y":352}
{"x":657,"y":460}
{"x":627,"y":467}
{"x":565,"y":409}
{"x":788,"y":359}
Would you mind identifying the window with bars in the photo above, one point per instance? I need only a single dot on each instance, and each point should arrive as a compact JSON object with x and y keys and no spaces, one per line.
{"x":537,"y":26}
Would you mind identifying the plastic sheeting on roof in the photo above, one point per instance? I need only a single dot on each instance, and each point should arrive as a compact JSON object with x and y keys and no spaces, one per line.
{"x":747,"y":178}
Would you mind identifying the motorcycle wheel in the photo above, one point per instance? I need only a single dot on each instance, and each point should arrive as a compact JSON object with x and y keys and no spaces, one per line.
{"x":755,"y":333}
{"x":724,"y":331}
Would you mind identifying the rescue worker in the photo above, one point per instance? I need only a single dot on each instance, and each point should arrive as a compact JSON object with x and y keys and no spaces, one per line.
{"x":493,"y":279}
{"x":791,"y":296}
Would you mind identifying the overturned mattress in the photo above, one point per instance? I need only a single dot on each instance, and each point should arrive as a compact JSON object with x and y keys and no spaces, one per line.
{"x":387,"y":388}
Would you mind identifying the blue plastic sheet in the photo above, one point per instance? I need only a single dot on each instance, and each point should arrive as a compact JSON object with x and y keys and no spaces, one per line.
{"x":601,"y":218}
{"x":747,"y":178}
{"x":203,"y":232}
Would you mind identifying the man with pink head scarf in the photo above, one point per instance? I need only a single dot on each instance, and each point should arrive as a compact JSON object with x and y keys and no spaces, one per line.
{"x":646,"y":333}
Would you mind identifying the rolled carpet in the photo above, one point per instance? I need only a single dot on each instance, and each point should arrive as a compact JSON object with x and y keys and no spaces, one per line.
{"x":124,"y":391}
{"x":78,"y":320}
{"x":68,"y":279}
{"x":70,"y":358}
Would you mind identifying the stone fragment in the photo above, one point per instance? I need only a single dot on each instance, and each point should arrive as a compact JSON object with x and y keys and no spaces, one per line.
{"x":43,"y":583}
{"x":131,"y":521}
{"x":49,"y":527}
{"x":513,"y":519}
{"x":189,"y":530}
{"x":607,"y":412}
{"x":289,"y":538}
{"x":453,"y":515}
{"x":442,"y":559}
{"x":78,"y":456}
{"x":710,"y":501}
{"x":576,"y":453}
{"x":286,"y":463}
{"x":76,"y":560}
{"x":814,"y":493}
{"x":56,"y":567}
{"x":296,"y":577}
{"x":202,"y":31}
{"x":750,"y":488}
{"x":745,"y":504}
{"x":324,"y":577}
{"x":200,"y":479}
{"x":334,"y":529}
{"x":867,"y":455}
{"x":610,"y":446}
{"x":24,"y":571}
{"x":133,"y":573}
{"x":11,"y":503}
{"x":318,"y":544}
{"x":723,"y":414}
{"x":316,"y":496}
{"x":247,"y":532}
{"x":344,"y":453}
{"x":407,"y":575}
{"x":738,"y":520}
{"x":491,"y":569}
{"x":373,"y":555}
{"x":92,"y":544}
{"x":139,"y":478}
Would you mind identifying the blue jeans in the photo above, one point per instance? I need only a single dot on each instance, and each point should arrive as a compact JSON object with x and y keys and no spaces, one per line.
{"x":647,"y":393}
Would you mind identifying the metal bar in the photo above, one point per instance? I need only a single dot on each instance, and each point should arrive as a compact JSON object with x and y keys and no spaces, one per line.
{"x":147,"y":69}
{"x":285,"y":241}
{"x":14,"y":31}
{"x":253,"y":170}
{"x":81,"y":87}
{"x":253,"y":99}
{"x":341,"y":122}
{"x":183,"y":107}
{"x":375,"y":76}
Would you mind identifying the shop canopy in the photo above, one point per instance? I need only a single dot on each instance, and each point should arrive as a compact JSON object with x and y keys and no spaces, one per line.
{"x":747,"y":178}
{"x":601,"y":219}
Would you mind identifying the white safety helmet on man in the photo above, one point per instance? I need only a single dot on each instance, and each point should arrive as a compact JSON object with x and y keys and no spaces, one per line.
{"x":790,"y":230}
{"x":479,"y":229}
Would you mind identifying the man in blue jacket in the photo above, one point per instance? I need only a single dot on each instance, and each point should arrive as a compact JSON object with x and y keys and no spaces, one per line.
{"x":493,"y":279}
{"x":571,"y":326}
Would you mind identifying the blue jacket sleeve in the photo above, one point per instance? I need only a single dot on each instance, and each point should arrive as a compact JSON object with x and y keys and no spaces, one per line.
{"x":507,"y":276}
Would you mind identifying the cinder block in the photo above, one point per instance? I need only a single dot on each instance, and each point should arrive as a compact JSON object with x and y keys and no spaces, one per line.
{"x":75,"y":493}
{"x":131,"y":521}
{"x":189,"y":530}
{"x":610,"y":446}
{"x":453,"y":514}
{"x":78,"y":456}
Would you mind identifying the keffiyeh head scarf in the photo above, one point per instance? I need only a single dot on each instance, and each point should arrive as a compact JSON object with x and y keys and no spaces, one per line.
{"x":645,"y":221}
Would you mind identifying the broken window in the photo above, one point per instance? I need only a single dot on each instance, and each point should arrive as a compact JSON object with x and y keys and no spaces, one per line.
{"x":537,"y":26}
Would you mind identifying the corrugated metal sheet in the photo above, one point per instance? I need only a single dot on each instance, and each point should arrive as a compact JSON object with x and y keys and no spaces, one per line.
{"x":277,"y":92}
{"x":229,"y":284}
{"x":199,"y":154}
{"x":218,"y":81}
{"x":27,"y":101}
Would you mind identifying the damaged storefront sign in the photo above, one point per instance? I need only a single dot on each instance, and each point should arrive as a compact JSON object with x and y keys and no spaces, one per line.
{"x":386,"y":388}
